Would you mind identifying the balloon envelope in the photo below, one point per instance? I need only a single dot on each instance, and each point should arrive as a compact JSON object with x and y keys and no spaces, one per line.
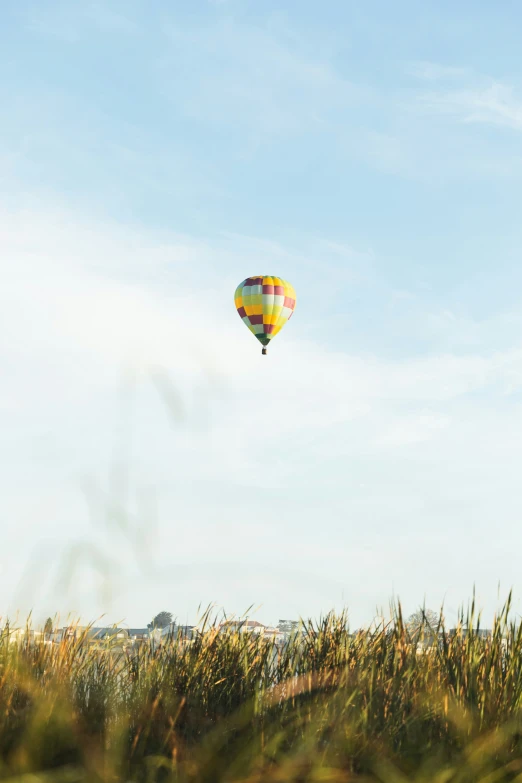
{"x":265,"y":304}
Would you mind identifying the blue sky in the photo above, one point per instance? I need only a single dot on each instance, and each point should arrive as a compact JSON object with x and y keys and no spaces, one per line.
{"x":152,"y":155}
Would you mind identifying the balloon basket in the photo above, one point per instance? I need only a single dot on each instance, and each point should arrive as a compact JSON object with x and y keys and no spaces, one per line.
{"x":264,"y":351}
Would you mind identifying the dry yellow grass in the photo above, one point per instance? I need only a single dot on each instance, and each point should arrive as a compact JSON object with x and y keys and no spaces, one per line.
{"x":329,"y":706}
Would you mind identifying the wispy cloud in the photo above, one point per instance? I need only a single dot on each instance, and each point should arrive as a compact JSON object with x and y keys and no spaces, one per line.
{"x":474,"y":100}
{"x":446,"y":108}
{"x":72,"y":23}
{"x":257,"y":80}
{"x":436,"y":72}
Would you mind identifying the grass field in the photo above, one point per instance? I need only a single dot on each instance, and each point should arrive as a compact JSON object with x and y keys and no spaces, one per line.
{"x":328,"y":706}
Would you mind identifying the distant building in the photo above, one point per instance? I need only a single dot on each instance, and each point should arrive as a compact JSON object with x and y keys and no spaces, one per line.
{"x":172,"y":632}
{"x":186,"y":632}
{"x":275,"y":635}
{"x":24,"y":635}
{"x":242,"y":626}
{"x":138,"y":634}
{"x":69,"y":632}
{"x":255,"y":627}
{"x":107,"y":634}
{"x":90,"y":634}
{"x":481,"y":633}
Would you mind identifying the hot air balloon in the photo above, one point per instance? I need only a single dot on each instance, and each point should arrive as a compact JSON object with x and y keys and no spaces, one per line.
{"x":265,"y":304}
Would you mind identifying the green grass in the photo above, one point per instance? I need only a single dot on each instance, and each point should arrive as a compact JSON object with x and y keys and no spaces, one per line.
{"x":330,"y":706}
